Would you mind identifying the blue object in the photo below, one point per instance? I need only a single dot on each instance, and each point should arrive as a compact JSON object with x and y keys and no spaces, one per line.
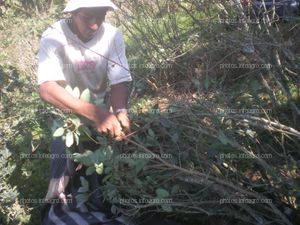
{"x":283,"y":8}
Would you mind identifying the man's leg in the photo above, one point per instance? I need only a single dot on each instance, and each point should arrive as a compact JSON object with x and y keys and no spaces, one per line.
{"x":60,"y":170}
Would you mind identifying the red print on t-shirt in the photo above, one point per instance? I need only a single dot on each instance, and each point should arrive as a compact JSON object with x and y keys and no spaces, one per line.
{"x":86,"y":65}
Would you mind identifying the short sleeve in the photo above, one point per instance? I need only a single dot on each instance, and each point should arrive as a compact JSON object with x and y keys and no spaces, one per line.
{"x":49,"y":62}
{"x":118,"y":69}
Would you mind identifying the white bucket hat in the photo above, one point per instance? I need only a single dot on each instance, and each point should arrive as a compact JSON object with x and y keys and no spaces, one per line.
{"x":76,"y":4}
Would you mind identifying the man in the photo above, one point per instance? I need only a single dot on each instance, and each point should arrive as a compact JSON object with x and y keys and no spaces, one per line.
{"x":85,"y":52}
{"x":91,"y":51}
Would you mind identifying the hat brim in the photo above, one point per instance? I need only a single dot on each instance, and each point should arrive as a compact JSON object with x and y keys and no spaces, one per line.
{"x":73,"y":5}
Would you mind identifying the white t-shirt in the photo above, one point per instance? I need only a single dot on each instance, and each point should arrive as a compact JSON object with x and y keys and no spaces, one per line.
{"x":93,"y":65}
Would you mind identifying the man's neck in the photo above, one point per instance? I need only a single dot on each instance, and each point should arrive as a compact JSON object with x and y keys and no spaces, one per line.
{"x":72,"y":27}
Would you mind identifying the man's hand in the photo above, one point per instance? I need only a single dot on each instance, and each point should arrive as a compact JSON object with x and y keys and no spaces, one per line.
{"x":124,"y":121}
{"x":104,"y":121}
{"x":109,"y":124}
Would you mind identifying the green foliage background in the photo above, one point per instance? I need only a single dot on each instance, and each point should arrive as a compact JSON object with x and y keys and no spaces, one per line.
{"x":175,"y":49}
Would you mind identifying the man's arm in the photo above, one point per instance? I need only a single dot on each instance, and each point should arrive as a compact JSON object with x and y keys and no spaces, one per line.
{"x":119,"y":96}
{"x":57,"y":96}
{"x":119,"y":100}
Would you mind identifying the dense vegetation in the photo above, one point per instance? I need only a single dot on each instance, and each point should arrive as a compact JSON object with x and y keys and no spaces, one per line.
{"x":222,"y":120}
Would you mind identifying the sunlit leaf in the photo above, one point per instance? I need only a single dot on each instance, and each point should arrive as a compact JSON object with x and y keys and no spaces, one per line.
{"x":99,"y":168}
{"x":76,"y":121}
{"x":76,"y":92}
{"x":76,"y":137}
{"x":69,"y":139}
{"x":69,"y":89}
{"x":59,"y":132}
{"x":85,"y":95}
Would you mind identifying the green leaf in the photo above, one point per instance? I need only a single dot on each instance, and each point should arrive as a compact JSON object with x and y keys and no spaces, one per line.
{"x":254,"y":85}
{"x":76,"y":121}
{"x":84,"y":183}
{"x":99,"y":168}
{"x":76,"y":137}
{"x":166,"y":207}
{"x":175,"y":189}
{"x":206,"y":83}
{"x":129,"y":161}
{"x":86,"y":95}
{"x":87,"y":130}
{"x":81,"y":198}
{"x":100,"y":103}
{"x":140,"y":165}
{"x":195,"y":81}
{"x":76,"y":92}
{"x":151,"y":133}
{"x":59,"y":132}
{"x":90,"y":170}
{"x":138,"y":182}
{"x":98,"y":156}
{"x":86,"y":158}
{"x":109,"y":151}
{"x":106,"y":178}
{"x":222,"y":137}
{"x":162,"y":193}
{"x":108,"y":169}
{"x":114,"y":210}
{"x":69,"y":139}
{"x":82,"y":190}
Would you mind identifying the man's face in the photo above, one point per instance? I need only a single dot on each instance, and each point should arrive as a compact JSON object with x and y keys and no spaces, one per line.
{"x":87,"y":21}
